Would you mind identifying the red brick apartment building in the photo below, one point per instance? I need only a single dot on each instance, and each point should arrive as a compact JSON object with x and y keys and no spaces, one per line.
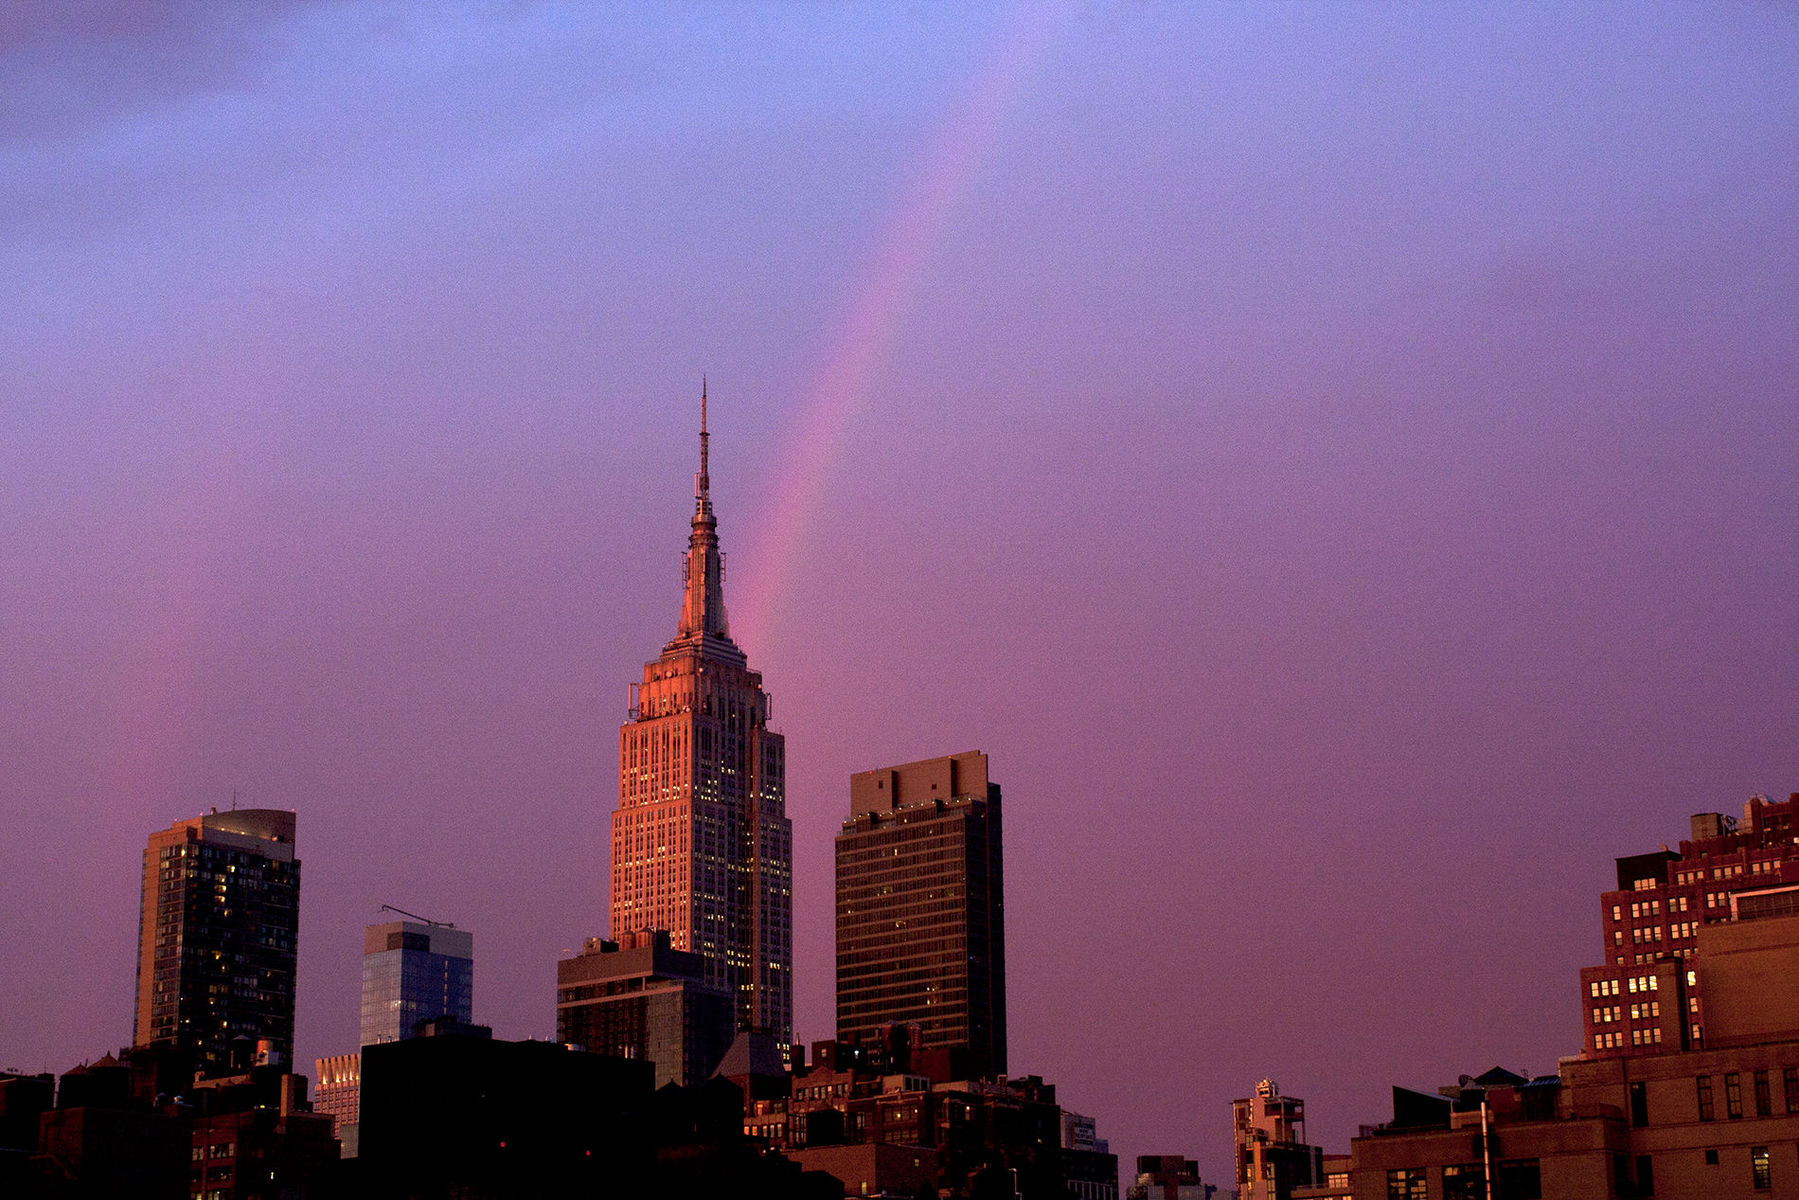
{"x":1687,"y":1084}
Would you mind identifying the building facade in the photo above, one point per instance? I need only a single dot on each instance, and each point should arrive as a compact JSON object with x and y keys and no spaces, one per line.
{"x":1005,"y":1137}
{"x":415,"y":971}
{"x":1707,"y":1110}
{"x":1272,"y":1155}
{"x":1643,"y":998}
{"x":701,"y":844}
{"x":921,"y":931}
{"x":1168,"y":1177}
{"x":218,"y":935}
{"x":641,"y":998}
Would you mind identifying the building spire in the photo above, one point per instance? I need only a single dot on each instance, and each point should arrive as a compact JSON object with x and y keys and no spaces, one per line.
{"x":703,"y":571}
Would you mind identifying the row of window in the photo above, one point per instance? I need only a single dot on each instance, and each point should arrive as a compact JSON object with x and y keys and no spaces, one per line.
{"x":1611,"y":987}
{"x":1522,"y":1180}
{"x":1762,"y":1091}
{"x":1517,"y":1180}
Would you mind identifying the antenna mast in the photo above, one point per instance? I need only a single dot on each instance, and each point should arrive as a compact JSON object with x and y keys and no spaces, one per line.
{"x":703,"y":487}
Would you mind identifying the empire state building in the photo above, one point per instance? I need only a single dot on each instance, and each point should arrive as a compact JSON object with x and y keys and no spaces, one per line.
{"x":701,"y":844}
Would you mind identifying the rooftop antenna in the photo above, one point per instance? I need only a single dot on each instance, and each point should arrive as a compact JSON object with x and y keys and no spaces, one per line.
{"x":416,"y":917}
{"x":703,"y":486}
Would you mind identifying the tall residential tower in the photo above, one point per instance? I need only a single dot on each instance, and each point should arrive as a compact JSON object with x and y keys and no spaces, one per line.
{"x":217,"y":936}
{"x":921,"y":927}
{"x":701,"y":844}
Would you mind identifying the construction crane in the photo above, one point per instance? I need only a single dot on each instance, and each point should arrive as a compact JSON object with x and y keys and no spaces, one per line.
{"x":416,"y":917}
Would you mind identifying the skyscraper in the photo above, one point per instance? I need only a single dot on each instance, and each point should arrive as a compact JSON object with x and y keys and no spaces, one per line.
{"x":412,"y":972}
{"x":218,"y":930}
{"x":701,"y":844}
{"x":921,"y":929}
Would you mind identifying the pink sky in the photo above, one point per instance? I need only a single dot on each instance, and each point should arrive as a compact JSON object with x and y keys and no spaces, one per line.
{"x":1337,"y":461}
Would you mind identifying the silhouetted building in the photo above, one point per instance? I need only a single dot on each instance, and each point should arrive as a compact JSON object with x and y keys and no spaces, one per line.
{"x":1089,"y":1168}
{"x":1643,"y":999}
{"x":984,"y":1136}
{"x":254,"y":1138}
{"x":640,"y":998}
{"x":457,"y":1113}
{"x":105,"y":1138}
{"x":1272,"y":1155}
{"x":217,"y":935}
{"x":120,"y":1129}
{"x":701,"y":844}
{"x":1168,"y":1177}
{"x":414,"y":972}
{"x":24,"y":1099}
{"x":921,"y":933}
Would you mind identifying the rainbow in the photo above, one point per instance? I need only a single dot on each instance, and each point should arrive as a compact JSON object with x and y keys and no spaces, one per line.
{"x":867,"y":328}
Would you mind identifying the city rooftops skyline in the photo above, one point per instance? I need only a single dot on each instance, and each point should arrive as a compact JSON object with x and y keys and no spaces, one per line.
{"x":1332,"y":460}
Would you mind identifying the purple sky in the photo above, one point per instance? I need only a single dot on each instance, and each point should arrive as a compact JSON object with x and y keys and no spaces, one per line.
{"x":1338,"y":461}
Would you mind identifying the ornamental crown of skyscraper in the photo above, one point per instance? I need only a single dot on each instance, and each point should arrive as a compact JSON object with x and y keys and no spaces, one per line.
{"x":704,"y":623}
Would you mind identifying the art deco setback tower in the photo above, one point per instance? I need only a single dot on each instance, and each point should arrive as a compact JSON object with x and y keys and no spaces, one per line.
{"x":217,"y":936}
{"x":701,"y":844}
{"x":921,"y":928}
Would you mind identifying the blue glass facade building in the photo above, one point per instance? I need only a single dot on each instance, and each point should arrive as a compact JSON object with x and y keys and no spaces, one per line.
{"x":414,"y":972}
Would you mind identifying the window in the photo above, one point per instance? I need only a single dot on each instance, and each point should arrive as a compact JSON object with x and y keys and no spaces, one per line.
{"x":1764,"y":1099}
{"x":1639,"y":1105}
{"x":1733,"y":1096}
{"x":1789,"y":1083}
{"x":1465,"y":1182}
{"x":1711,"y":1158}
{"x":1759,"y":1172}
{"x":1645,"y":1175}
{"x":1706,"y":1112}
{"x":1520,"y":1180}
{"x":1406,"y":1184}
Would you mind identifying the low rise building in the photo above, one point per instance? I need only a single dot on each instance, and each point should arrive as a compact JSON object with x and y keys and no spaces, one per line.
{"x":1272,"y":1155}
{"x":638,"y":997}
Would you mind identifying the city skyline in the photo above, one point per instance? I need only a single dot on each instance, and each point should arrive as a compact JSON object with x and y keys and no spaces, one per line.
{"x":1333,"y":462}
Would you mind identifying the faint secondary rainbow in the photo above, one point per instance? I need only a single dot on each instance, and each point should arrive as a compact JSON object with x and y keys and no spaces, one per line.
{"x":867,"y":328}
